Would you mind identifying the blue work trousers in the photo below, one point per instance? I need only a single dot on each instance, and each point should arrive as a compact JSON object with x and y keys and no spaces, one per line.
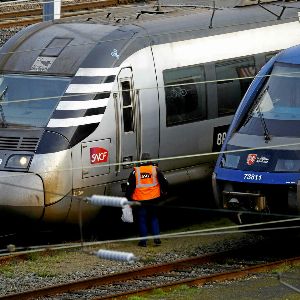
{"x":147,"y":214}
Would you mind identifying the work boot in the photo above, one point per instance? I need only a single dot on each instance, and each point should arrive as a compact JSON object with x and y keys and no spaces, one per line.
{"x":142,"y":244}
{"x":157,"y":242}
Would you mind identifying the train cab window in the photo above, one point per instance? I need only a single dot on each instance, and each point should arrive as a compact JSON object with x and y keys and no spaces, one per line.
{"x":185,"y":95}
{"x":230,"y":88}
{"x":127,"y":97}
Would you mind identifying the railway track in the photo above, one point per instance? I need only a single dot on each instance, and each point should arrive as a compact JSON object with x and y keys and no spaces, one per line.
{"x":192,"y":271}
{"x":23,"y":17}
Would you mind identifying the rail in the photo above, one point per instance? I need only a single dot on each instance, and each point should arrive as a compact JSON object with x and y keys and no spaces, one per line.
{"x":157,"y":270}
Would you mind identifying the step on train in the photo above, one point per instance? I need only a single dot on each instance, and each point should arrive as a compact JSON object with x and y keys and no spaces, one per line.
{"x":82,"y":98}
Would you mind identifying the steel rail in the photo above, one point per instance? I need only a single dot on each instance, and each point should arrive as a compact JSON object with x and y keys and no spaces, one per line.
{"x":153,"y":270}
{"x":230,"y":275}
{"x":31,"y":16}
{"x":128,"y":275}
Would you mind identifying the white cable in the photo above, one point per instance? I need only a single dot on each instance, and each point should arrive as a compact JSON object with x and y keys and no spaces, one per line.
{"x":116,"y":255}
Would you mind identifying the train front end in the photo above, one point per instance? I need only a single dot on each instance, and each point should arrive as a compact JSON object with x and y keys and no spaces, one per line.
{"x":257,"y":173}
{"x":26,"y":105}
{"x":43,"y":120}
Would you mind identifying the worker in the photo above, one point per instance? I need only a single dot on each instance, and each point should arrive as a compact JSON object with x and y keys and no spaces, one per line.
{"x":147,"y":184}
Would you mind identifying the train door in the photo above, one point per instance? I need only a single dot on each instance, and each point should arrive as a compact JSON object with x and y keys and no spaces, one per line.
{"x":129,"y":133}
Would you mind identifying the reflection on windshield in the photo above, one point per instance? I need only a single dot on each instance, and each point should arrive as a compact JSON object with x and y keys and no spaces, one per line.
{"x":1,"y":108}
{"x":30,"y":100}
{"x":281,"y":100}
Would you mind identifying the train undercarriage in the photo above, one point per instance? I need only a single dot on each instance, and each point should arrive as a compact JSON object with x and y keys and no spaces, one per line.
{"x":259,"y":203}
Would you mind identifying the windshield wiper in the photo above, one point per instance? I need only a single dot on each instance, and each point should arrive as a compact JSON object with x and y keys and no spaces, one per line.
{"x":267,"y":135}
{"x":4,"y":124}
{"x":255,"y":104}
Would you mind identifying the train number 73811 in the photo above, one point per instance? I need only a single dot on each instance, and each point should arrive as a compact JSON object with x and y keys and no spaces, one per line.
{"x":249,"y":176}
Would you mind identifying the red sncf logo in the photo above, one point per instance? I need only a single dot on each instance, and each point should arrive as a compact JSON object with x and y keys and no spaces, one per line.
{"x":251,"y":158}
{"x":98,"y":155}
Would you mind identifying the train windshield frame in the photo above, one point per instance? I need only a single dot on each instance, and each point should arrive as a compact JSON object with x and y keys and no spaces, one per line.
{"x":29,"y":100}
{"x":273,"y":117}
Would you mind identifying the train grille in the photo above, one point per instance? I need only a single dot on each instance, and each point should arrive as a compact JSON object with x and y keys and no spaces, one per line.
{"x":18,"y":143}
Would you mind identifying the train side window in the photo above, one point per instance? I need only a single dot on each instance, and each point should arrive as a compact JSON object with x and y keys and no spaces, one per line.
{"x":270,"y":55}
{"x":230,"y":88}
{"x":127,"y":97}
{"x":185,"y":95}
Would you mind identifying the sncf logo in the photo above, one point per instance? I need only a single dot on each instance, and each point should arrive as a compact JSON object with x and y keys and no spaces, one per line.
{"x":145,"y":175}
{"x":98,"y":155}
{"x":251,"y":158}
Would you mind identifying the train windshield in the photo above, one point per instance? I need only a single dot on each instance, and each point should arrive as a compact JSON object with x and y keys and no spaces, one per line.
{"x":29,"y":101}
{"x":280,"y":97}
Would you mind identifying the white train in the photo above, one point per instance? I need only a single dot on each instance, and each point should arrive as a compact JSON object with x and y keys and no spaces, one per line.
{"x":81,"y":100}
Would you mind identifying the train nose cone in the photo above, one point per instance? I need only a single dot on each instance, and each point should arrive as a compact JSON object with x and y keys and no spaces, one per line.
{"x":21,"y":194}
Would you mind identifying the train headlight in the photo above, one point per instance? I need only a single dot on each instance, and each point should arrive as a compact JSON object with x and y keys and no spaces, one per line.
{"x":18,"y":161}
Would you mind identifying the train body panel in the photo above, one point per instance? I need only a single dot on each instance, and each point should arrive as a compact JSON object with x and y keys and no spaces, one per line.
{"x":94,"y":97}
{"x":56,"y":183}
{"x":24,"y":192}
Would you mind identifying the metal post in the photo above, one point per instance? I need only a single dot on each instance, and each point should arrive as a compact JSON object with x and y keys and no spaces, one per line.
{"x":158,"y":8}
{"x":51,"y":10}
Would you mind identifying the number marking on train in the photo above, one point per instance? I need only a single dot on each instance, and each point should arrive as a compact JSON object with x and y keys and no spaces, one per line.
{"x":249,"y":176}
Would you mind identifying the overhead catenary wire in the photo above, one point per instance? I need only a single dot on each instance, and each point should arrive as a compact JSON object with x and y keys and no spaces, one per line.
{"x":139,"y":161}
{"x":215,"y":210}
{"x":99,"y":10}
{"x":157,"y":35}
{"x":153,"y":35}
{"x":237,"y":229}
{"x":113,"y":201}
{"x":173,"y":157}
{"x":152,"y":87}
{"x":204,"y":6}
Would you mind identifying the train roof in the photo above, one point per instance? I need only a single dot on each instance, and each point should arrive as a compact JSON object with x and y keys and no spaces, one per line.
{"x":72,"y":39}
{"x":289,"y":56}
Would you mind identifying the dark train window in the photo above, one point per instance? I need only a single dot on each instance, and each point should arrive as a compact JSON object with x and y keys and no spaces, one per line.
{"x":127,"y":97}
{"x":270,"y":55}
{"x":56,"y":46}
{"x":185,"y":95}
{"x":231,"y":89}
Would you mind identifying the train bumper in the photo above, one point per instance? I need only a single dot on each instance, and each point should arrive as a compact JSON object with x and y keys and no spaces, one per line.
{"x":21,"y":194}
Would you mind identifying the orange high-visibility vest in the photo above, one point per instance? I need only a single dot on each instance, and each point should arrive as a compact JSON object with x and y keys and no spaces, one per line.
{"x":147,"y":185}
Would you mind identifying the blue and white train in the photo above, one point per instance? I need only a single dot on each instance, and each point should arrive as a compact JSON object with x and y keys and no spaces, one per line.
{"x":82,"y":99}
{"x":258,"y":170}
